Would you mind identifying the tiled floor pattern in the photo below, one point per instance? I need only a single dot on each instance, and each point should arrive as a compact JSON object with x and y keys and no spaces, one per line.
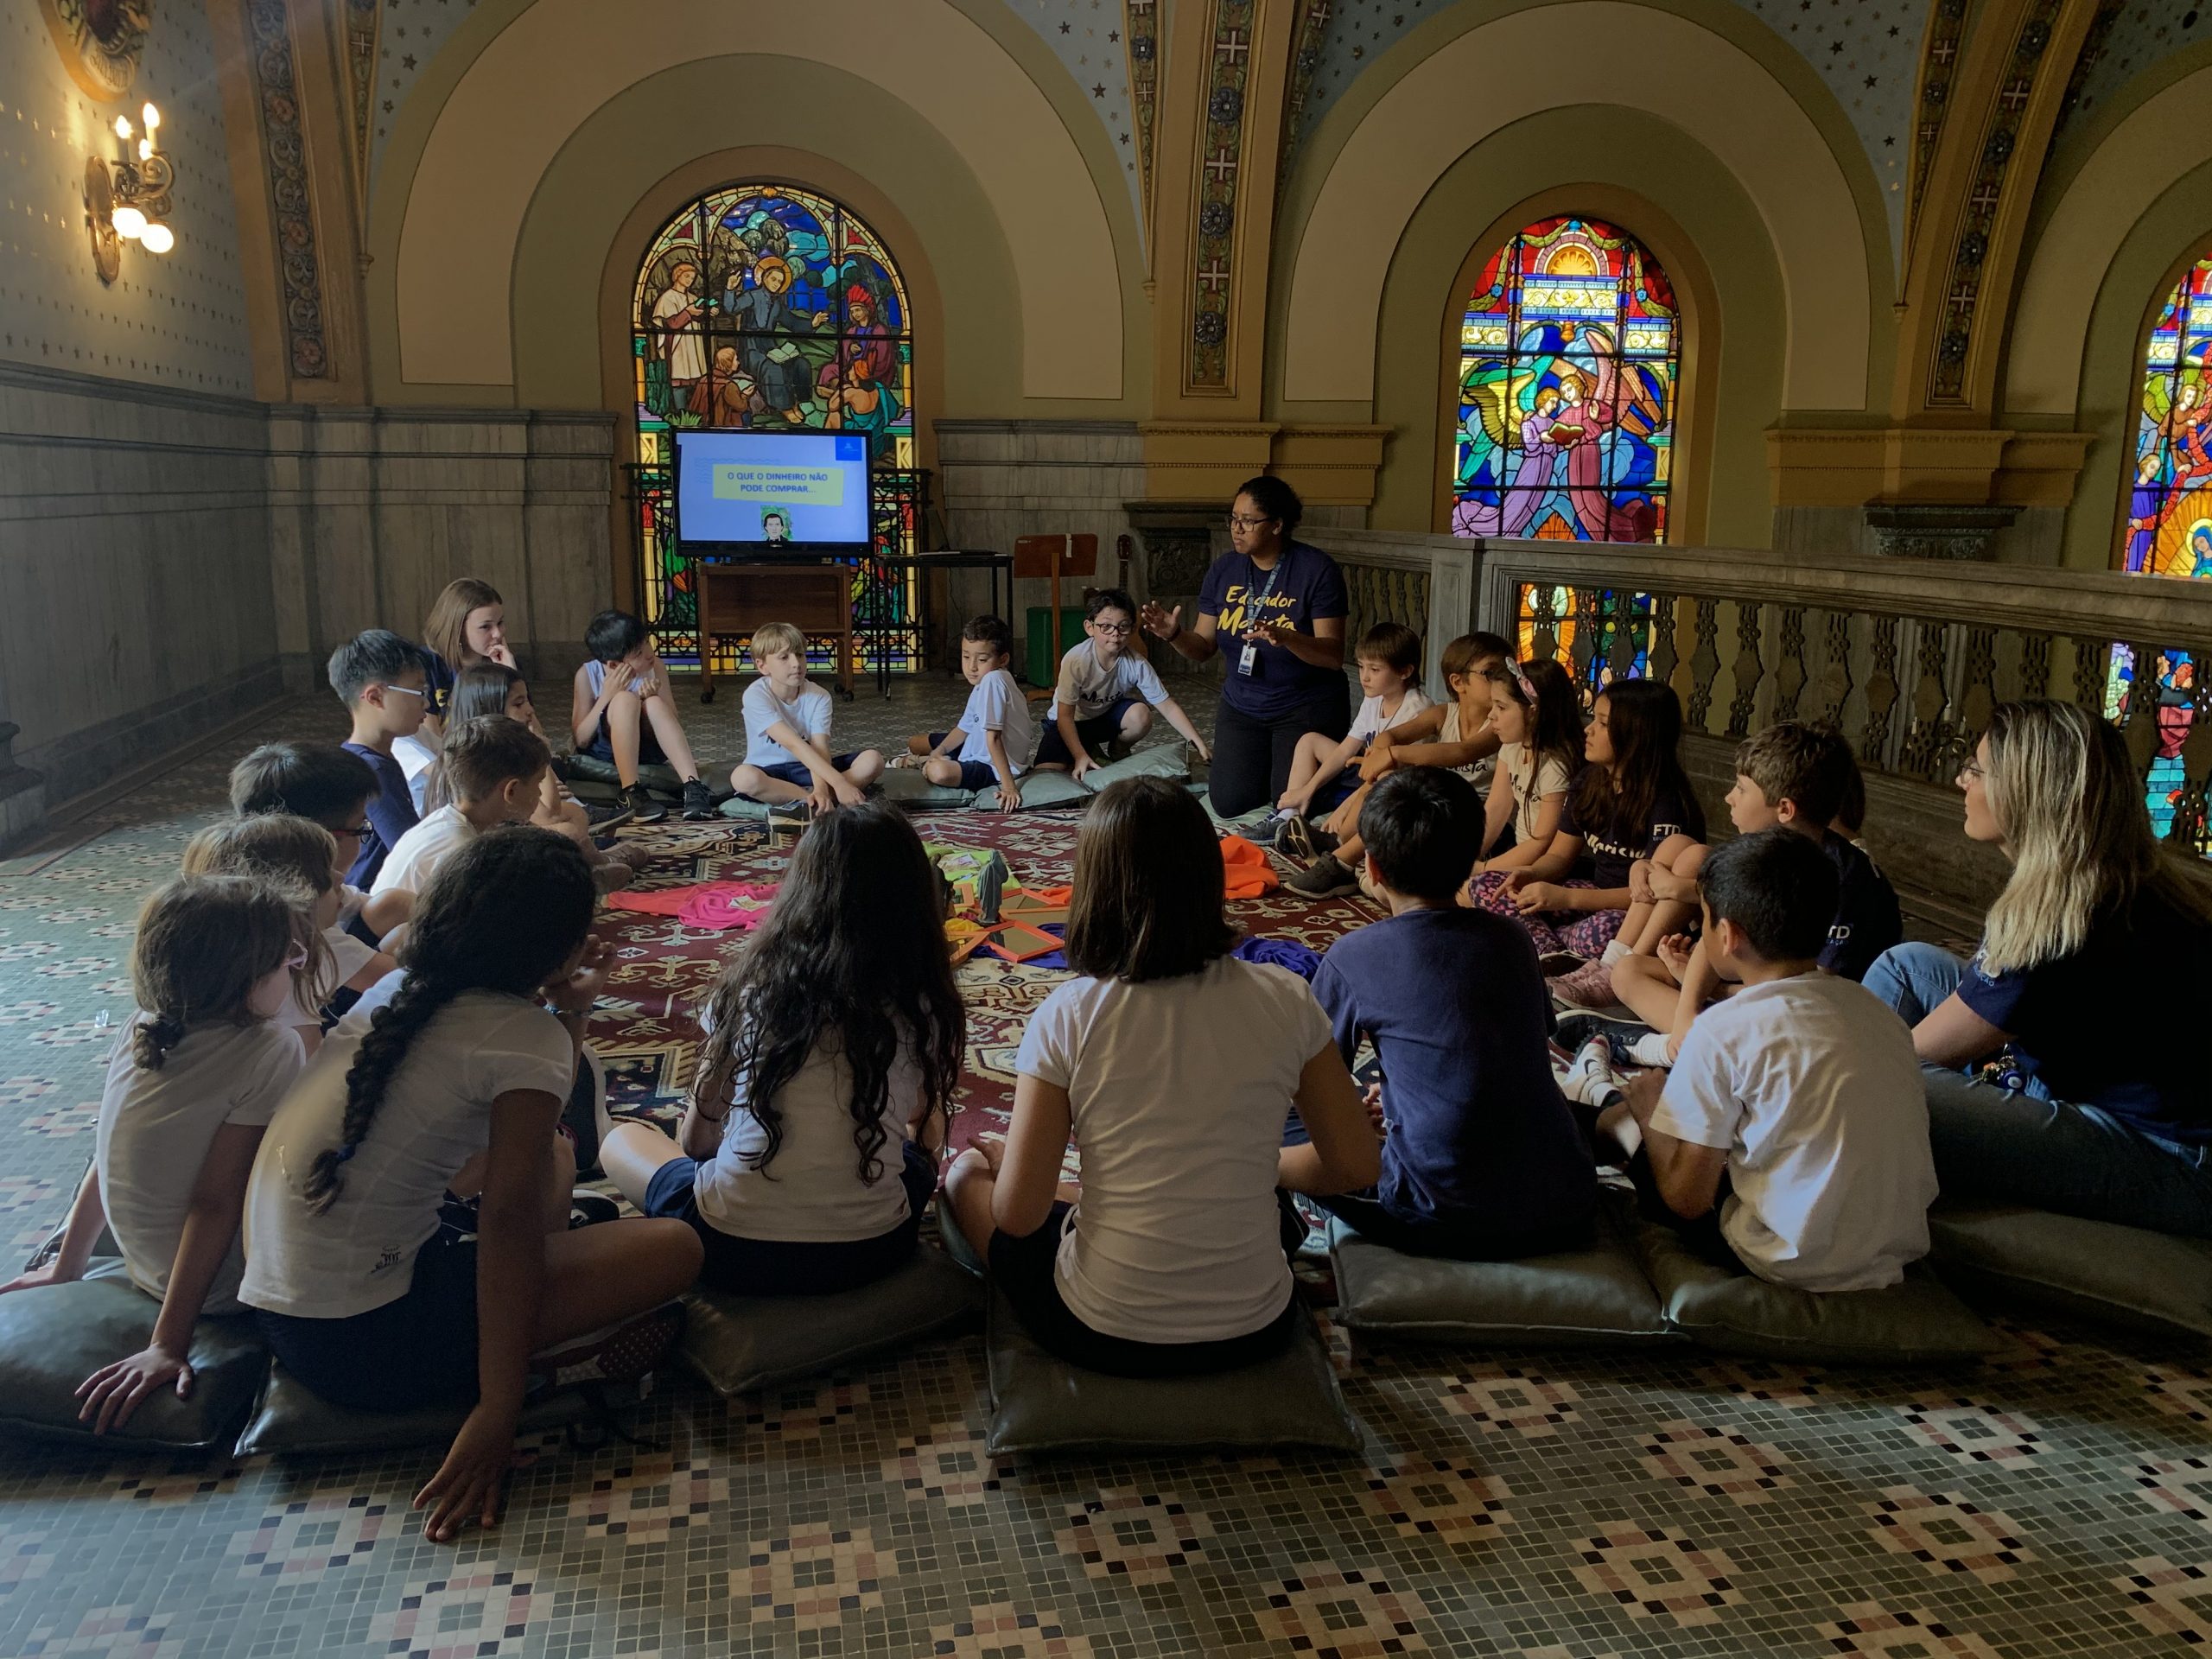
{"x":2057,"y":1500}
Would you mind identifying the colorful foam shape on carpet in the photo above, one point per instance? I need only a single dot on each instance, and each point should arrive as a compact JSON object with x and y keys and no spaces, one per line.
{"x":1597,"y":1297}
{"x":52,"y":1337}
{"x":736,"y":1345}
{"x":2098,"y":1270}
{"x":1040,"y":1403}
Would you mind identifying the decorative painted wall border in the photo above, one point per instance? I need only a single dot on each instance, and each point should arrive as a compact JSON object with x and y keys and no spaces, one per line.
{"x":1939,"y":62}
{"x":1307,"y":32}
{"x":283,"y":153}
{"x":1140,"y":30}
{"x":1221,"y":166}
{"x":2093,"y":48}
{"x":1947,"y":373}
{"x":364,"y":19}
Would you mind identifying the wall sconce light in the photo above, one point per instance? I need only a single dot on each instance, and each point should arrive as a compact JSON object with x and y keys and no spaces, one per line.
{"x":127,"y":200}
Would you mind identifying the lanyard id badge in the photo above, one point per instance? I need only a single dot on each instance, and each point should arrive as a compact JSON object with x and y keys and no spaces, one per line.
{"x":1248,"y":660}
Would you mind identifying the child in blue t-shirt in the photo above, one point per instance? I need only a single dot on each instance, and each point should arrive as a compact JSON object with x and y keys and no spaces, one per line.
{"x":1481,"y":1156}
{"x":992,"y":744}
{"x":378,"y":676}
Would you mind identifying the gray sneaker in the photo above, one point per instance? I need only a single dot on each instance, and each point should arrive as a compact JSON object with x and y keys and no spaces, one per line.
{"x":1324,"y":878}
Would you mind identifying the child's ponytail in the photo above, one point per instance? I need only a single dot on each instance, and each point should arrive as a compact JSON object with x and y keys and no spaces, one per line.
{"x":503,"y":913}
{"x":204,"y":942}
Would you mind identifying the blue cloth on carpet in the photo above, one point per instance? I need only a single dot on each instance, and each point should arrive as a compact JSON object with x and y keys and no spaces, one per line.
{"x":1282,"y":953}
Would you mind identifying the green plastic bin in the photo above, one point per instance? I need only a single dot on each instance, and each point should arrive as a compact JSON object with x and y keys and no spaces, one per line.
{"x":1044,"y":663}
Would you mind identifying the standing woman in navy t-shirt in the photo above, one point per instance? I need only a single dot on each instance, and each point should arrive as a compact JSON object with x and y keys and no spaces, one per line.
{"x":2056,"y":1074}
{"x":1276,"y":607}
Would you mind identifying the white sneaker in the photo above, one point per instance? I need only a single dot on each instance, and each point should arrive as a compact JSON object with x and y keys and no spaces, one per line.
{"x":1650,"y":1049}
{"x":1591,"y":1079}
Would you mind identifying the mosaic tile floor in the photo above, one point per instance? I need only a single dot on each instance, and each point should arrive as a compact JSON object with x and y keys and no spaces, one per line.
{"x":2057,"y":1500}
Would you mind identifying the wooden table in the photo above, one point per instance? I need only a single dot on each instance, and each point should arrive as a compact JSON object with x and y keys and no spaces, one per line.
{"x":735,"y":596}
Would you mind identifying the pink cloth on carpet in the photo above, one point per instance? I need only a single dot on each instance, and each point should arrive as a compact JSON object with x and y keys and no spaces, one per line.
{"x":710,"y":906}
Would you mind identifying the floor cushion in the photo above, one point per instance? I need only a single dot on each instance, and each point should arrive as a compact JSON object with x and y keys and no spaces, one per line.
{"x":289,"y":1419}
{"x":738,"y":1343}
{"x":1596,"y":1297}
{"x":54,"y":1337}
{"x":1039,"y":1404}
{"x":903,"y":787}
{"x":658,"y":777}
{"x":2098,"y":1269}
{"x":1915,"y":1322}
{"x":1055,"y":789}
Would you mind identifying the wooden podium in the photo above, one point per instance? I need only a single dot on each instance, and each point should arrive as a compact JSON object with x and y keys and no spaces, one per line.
{"x":734,"y":596}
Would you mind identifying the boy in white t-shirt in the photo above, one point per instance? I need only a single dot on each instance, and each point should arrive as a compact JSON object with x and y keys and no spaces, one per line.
{"x":787,"y":755}
{"x":1389,"y":655}
{"x":1801,"y":1091}
{"x":996,"y":731}
{"x":495,"y":769}
{"x":1106,"y":692}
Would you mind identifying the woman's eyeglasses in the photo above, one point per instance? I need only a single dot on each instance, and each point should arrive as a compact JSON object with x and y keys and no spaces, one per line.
{"x":1238,"y":521}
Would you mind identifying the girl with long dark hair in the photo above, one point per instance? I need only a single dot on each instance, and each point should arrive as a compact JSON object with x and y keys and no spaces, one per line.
{"x":808,"y":1147}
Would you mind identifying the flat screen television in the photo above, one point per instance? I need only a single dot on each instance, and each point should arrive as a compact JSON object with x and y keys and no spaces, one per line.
{"x":757,"y":492}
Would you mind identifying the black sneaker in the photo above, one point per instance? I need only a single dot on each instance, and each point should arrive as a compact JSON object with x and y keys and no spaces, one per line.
{"x":628,"y":1352}
{"x":1578,"y":1031}
{"x":1324,"y":878}
{"x":605,"y":816}
{"x":1294,"y":839}
{"x":644,"y":808}
{"x":698,"y":801}
{"x":588,"y":1209}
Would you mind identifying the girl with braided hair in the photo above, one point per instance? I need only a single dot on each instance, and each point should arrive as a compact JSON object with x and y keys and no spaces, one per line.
{"x":362,"y":1292}
{"x":808,"y":1145}
{"x":198,"y":1074}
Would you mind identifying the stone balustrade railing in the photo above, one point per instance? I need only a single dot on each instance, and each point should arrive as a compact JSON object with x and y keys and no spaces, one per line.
{"x":1907,"y":658}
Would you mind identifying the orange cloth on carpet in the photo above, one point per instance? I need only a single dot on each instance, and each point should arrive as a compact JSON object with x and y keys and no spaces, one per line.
{"x":1250,"y":873}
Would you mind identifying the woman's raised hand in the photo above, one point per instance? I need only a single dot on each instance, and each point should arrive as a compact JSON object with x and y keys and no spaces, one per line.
{"x":1160,"y":621}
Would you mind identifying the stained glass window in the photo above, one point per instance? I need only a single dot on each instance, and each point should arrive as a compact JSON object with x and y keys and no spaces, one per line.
{"x":769,"y":307}
{"x":1569,"y":353}
{"x":2169,"y":489}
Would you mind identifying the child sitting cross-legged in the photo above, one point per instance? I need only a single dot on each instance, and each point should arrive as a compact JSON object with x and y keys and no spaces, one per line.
{"x":808,"y":1148}
{"x":1791,"y":1136}
{"x":788,"y":762}
{"x":1791,"y":776}
{"x":996,"y":733}
{"x":1106,"y":692}
{"x":198,"y":1074}
{"x":1455,"y":735}
{"x":1537,"y":720}
{"x":1388,"y":656}
{"x":378,"y":676}
{"x":1631,"y":804}
{"x":488,"y":688}
{"x":494,"y":770}
{"x":1173,"y":1065}
{"x":622,"y":712}
{"x":301,"y":858}
{"x":333,"y":787}
{"x":1481,"y":1156}
{"x":363,"y":1292}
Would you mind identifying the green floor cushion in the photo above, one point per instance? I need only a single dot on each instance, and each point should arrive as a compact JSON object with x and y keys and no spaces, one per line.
{"x":2098,"y":1270}
{"x":904,"y":786}
{"x":1915,"y":1322}
{"x":590,"y":769}
{"x":1596,"y":1297}
{"x":54,"y":1337}
{"x":289,"y":1421}
{"x":1058,"y":789}
{"x":1042,"y":1404}
{"x":738,"y":1343}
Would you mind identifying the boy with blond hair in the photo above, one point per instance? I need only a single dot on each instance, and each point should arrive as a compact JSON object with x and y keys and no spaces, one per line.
{"x":788,"y":763}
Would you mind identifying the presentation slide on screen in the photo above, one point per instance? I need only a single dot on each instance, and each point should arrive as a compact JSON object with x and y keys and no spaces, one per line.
{"x":765,"y":487}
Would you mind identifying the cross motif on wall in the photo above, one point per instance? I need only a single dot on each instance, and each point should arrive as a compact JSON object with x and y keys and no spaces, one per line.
{"x":1984,"y":199}
{"x":1231,"y":46}
{"x":1942,"y":52}
{"x":1962,"y":297}
{"x":1222,"y":165}
{"x":2015,"y":94}
{"x":1214,"y":277}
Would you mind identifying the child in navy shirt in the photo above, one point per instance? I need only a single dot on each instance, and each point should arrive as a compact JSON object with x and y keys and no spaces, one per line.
{"x":1481,"y":1156}
{"x":378,"y":676}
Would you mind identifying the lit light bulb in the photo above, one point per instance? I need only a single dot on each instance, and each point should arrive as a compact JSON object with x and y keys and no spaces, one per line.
{"x":129,"y":223}
{"x":151,"y":117}
{"x":123,"y":126}
{"x":157,"y":239}
{"x":145,"y":149}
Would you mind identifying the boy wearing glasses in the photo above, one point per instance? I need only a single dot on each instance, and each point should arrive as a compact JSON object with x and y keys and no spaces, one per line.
{"x":378,"y":676}
{"x":1106,"y":692}
{"x":332,"y":786}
